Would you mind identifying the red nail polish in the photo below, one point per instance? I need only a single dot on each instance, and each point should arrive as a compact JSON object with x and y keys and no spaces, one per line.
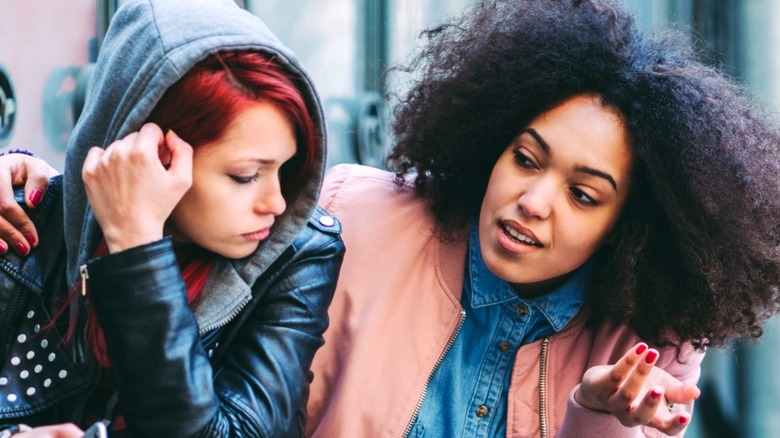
{"x":30,"y":239}
{"x":3,"y":248}
{"x":651,"y":356}
{"x":21,"y":249}
{"x":655,"y":395}
{"x":683,"y":420}
{"x":641,"y":348}
{"x":35,"y":197}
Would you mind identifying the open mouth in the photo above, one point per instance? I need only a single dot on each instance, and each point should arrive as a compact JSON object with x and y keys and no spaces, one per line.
{"x":519,"y":237}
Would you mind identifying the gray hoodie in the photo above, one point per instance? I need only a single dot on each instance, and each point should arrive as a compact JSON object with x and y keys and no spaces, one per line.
{"x":149,"y":46}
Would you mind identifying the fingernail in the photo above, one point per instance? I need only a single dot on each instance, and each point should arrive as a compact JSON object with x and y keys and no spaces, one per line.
{"x":35,"y":197}
{"x":651,"y":356}
{"x":683,"y":420}
{"x":655,"y":395}
{"x":21,"y":249}
{"x":3,"y":248}
{"x":641,"y":348}
{"x":30,"y":239}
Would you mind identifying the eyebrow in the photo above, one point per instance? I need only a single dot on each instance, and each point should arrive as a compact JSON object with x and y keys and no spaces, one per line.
{"x":263,"y":161}
{"x":260,"y":161}
{"x":582,"y":169}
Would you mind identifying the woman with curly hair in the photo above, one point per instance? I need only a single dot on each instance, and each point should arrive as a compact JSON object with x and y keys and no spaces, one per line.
{"x":577,"y":211}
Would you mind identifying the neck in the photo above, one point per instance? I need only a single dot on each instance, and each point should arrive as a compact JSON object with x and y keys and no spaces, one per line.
{"x":537,"y":289}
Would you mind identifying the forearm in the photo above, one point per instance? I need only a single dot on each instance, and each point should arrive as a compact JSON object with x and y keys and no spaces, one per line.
{"x":164,"y":378}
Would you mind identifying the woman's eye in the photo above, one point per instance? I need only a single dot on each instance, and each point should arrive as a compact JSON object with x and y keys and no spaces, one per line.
{"x":243,"y":179}
{"x":582,"y":197}
{"x":523,"y":160}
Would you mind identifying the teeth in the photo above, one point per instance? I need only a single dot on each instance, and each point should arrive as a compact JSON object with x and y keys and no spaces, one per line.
{"x":521,"y":237}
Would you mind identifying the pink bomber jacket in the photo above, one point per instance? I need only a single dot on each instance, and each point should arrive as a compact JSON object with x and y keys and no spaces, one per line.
{"x":397,"y":306}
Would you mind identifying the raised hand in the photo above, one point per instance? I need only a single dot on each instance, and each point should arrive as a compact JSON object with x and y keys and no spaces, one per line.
{"x":131,"y":190}
{"x":637,"y":392}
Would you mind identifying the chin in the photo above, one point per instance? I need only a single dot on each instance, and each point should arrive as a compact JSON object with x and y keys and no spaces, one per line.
{"x":240,"y":254}
{"x":234,"y":252}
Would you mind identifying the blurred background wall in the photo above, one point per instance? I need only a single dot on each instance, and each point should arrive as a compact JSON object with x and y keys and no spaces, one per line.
{"x":46,"y":48}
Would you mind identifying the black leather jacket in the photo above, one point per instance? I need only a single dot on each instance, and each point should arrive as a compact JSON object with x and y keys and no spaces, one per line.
{"x":245,"y":378}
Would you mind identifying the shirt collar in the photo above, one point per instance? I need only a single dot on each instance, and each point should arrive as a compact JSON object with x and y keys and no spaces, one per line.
{"x":558,"y":306}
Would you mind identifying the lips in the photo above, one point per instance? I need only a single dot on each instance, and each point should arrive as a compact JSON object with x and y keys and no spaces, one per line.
{"x":520,"y":234}
{"x":257,"y":235}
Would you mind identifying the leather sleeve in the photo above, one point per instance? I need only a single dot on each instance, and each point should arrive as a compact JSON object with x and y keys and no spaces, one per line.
{"x":167,"y":385}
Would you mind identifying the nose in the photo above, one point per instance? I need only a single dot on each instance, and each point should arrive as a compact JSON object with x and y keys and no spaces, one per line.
{"x":271,"y":201}
{"x":537,"y":200}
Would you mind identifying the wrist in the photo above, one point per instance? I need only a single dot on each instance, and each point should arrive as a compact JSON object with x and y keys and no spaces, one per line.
{"x":126,"y":240}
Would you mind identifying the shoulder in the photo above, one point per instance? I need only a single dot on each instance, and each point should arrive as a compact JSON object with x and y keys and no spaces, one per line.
{"x":50,"y":204}
{"x":344,"y":173}
{"x":324,"y":222}
{"x":343,"y":181}
{"x":322,"y":231}
{"x":366,"y":195}
{"x":44,"y":260}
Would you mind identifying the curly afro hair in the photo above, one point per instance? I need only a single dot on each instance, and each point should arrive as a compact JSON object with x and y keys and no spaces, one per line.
{"x":696,"y":253}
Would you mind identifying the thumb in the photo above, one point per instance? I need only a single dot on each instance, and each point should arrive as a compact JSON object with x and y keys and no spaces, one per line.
{"x":180,"y":155}
{"x":679,"y":392}
{"x":164,"y":154}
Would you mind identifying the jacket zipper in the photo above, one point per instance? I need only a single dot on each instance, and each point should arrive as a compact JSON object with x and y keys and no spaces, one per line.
{"x":78,"y":412}
{"x":84,"y":277}
{"x":543,"y":387}
{"x":435,"y":367}
{"x":81,"y":405}
{"x":225,"y":320}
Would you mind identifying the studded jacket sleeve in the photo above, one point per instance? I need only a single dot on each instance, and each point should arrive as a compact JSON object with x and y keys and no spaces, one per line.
{"x":167,"y":385}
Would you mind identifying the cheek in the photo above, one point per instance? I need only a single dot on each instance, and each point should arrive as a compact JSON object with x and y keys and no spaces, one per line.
{"x":584,"y":239}
{"x":499,"y":193}
{"x":205,"y":198}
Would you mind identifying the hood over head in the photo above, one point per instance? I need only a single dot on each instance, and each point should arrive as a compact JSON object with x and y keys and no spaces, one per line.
{"x":150,"y":45}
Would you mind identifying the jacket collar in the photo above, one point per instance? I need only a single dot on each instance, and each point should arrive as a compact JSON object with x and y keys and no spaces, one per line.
{"x":558,"y":307}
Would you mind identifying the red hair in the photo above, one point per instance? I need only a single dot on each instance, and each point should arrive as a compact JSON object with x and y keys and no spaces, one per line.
{"x":199,"y":108}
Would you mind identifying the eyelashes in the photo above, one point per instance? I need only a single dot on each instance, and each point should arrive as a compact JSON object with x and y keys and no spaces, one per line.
{"x":577,"y":194}
{"x":523,"y":160}
{"x":244,"y":179}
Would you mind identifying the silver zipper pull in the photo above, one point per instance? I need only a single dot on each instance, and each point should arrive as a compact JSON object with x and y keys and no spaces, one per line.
{"x":84,"y":278}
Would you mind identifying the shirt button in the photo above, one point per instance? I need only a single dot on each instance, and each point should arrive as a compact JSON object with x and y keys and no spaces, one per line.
{"x":522,"y":309}
{"x":503,"y":347}
{"x":482,"y":411}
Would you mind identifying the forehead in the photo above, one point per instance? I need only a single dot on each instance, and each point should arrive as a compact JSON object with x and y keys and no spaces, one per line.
{"x":582,"y":128}
{"x":261,"y":128}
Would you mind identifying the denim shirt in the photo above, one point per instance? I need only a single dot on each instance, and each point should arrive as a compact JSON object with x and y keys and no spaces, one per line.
{"x":467,"y":394}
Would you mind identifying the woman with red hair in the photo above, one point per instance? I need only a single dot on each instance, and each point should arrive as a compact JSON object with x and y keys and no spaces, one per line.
{"x":189,"y":290}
